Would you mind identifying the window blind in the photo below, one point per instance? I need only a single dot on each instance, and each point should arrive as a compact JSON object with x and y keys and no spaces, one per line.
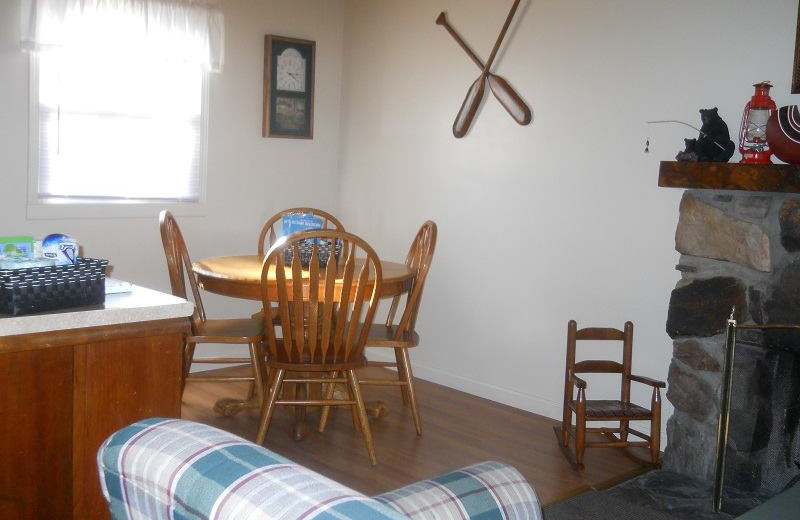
{"x":118,"y":127}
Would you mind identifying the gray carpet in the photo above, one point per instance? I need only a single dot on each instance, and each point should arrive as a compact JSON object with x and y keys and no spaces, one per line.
{"x":598,"y":505}
{"x":655,"y":495}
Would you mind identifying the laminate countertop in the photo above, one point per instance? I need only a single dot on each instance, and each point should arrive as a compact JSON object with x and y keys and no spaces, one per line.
{"x":139,"y":305}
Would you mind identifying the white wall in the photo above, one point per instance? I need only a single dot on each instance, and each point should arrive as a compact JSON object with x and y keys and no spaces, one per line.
{"x":249,"y":177}
{"x":557,"y":220}
{"x":571,"y":200}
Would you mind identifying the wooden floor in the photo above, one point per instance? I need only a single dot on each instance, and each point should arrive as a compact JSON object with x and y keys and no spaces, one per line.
{"x":458,"y":429}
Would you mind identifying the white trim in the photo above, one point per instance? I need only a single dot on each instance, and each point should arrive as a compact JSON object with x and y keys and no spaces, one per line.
{"x":104,"y":210}
{"x":39,"y":209}
{"x":33,"y":128}
{"x":527,"y":402}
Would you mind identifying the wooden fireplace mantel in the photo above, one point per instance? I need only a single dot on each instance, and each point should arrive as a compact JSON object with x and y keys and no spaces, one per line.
{"x":779,"y":178}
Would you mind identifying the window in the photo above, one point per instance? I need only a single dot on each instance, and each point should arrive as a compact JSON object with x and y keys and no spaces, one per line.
{"x":118,"y":103}
{"x":118,"y":131}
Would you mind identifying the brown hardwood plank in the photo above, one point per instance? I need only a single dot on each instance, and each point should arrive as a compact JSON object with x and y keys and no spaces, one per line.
{"x":780,"y":178}
{"x":460,"y":429}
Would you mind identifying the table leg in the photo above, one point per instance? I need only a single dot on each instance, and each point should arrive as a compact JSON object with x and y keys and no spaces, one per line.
{"x":375,"y":409}
{"x":228,"y":406}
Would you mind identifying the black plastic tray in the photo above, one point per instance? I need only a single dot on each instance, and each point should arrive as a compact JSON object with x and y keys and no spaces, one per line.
{"x":39,"y":289}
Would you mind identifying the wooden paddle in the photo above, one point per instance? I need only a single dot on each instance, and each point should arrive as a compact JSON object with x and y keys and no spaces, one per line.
{"x":507,"y":97}
{"x":501,"y":89}
{"x":469,"y":107}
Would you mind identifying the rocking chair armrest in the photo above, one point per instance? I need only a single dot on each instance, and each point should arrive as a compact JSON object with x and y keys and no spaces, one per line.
{"x":577,"y":381}
{"x":647,"y":381}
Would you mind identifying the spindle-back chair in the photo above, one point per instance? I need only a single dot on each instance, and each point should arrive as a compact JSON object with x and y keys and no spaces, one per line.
{"x":245,"y":331}
{"x":269,"y":231}
{"x":402,"y":335}
{"x":320,"y":311}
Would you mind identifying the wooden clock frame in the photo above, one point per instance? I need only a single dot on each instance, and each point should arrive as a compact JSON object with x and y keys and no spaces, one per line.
{"x":796,"y":66}
{"x":271,"y":126}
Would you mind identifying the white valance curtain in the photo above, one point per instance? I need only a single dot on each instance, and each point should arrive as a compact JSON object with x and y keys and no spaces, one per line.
{"x":188,"y":31}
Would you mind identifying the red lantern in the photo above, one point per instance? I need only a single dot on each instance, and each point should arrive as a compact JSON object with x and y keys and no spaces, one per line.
{"x":753,"y":134}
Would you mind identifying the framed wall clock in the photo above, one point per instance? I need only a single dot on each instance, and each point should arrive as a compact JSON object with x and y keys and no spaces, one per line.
{"x":288,"y":87}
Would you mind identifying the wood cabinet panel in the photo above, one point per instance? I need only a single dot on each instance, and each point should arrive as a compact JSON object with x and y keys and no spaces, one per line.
{"x":36,"y":395}
{"x":117,"y":383}
{"x":62,"y":394}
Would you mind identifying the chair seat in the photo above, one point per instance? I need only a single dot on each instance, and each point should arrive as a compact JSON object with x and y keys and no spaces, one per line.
{"x":382,"y":336}
{"x":260,"y":316}
{"x":606,"y":409}
{"x":281,"y":360}
{"x":239,"y":330}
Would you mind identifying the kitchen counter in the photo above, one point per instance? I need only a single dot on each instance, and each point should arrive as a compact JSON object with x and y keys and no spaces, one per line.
{"x":140,"y":305}
{"x":70,"y":378}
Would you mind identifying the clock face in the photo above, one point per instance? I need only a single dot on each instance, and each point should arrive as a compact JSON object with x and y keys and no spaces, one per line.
{"x":291,"y":71}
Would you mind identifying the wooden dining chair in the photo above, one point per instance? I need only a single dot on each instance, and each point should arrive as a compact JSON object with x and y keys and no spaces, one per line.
{"x":402,"y":335}
{"x":604,"y":410}
{"x":269,"y":231}
{"x":269,"y":234}
{"x":245,"y":331}
{"x":320,"y":321}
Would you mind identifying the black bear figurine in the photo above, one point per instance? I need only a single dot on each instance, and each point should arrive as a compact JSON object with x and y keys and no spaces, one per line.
{"x":688,"y":155}
{"x":714,"y":143}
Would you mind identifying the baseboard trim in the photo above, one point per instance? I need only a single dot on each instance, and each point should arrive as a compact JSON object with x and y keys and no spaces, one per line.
{"x":527,"y":402}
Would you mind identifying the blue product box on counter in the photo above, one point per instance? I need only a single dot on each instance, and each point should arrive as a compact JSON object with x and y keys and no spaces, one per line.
{"x":299,"y":222}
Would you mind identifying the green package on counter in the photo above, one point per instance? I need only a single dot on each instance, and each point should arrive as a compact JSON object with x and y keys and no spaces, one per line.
{"x":16,"y":247}
{"x":25,"y":263}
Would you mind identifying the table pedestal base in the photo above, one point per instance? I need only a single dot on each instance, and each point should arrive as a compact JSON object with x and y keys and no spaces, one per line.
{"x":228,"y":407}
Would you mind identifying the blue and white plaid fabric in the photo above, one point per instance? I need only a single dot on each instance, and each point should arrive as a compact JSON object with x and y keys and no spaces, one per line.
{"x":487,"y":490}
{"x":171,"y":469}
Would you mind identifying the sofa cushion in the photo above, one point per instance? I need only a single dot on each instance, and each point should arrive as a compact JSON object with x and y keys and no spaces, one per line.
{"x":487,"y":490}
{"x":168,"y":468}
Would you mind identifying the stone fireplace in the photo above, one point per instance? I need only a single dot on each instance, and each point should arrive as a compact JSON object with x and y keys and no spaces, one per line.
{"x":738,"y":249}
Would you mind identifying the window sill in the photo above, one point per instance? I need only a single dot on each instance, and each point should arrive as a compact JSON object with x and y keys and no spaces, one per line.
{"x":68,"y":210}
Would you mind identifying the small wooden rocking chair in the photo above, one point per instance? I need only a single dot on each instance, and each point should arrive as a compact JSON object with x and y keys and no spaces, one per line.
{"x":602,"y":410}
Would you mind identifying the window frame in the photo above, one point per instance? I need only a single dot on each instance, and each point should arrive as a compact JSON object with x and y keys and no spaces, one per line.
{"x":38,"y":208}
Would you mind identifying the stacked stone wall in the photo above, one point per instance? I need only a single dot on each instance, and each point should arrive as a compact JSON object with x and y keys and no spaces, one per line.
{"x":738,"y":251}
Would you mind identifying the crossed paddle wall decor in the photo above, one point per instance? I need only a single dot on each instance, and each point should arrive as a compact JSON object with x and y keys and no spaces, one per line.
{"x":501,"y":89}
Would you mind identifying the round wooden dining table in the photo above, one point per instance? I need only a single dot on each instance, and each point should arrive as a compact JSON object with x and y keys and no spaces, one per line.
{"x":240,"y":277}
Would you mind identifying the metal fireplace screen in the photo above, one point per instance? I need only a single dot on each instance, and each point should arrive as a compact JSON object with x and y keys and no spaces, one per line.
{"x":758,"y":437}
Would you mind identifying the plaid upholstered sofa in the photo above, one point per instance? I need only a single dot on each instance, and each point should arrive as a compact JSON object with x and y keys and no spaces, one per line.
{"x":172,"y":469}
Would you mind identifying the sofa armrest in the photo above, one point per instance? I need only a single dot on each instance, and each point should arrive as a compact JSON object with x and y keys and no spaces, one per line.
{"x":162,"y":469}
{"x":472,"y":492}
